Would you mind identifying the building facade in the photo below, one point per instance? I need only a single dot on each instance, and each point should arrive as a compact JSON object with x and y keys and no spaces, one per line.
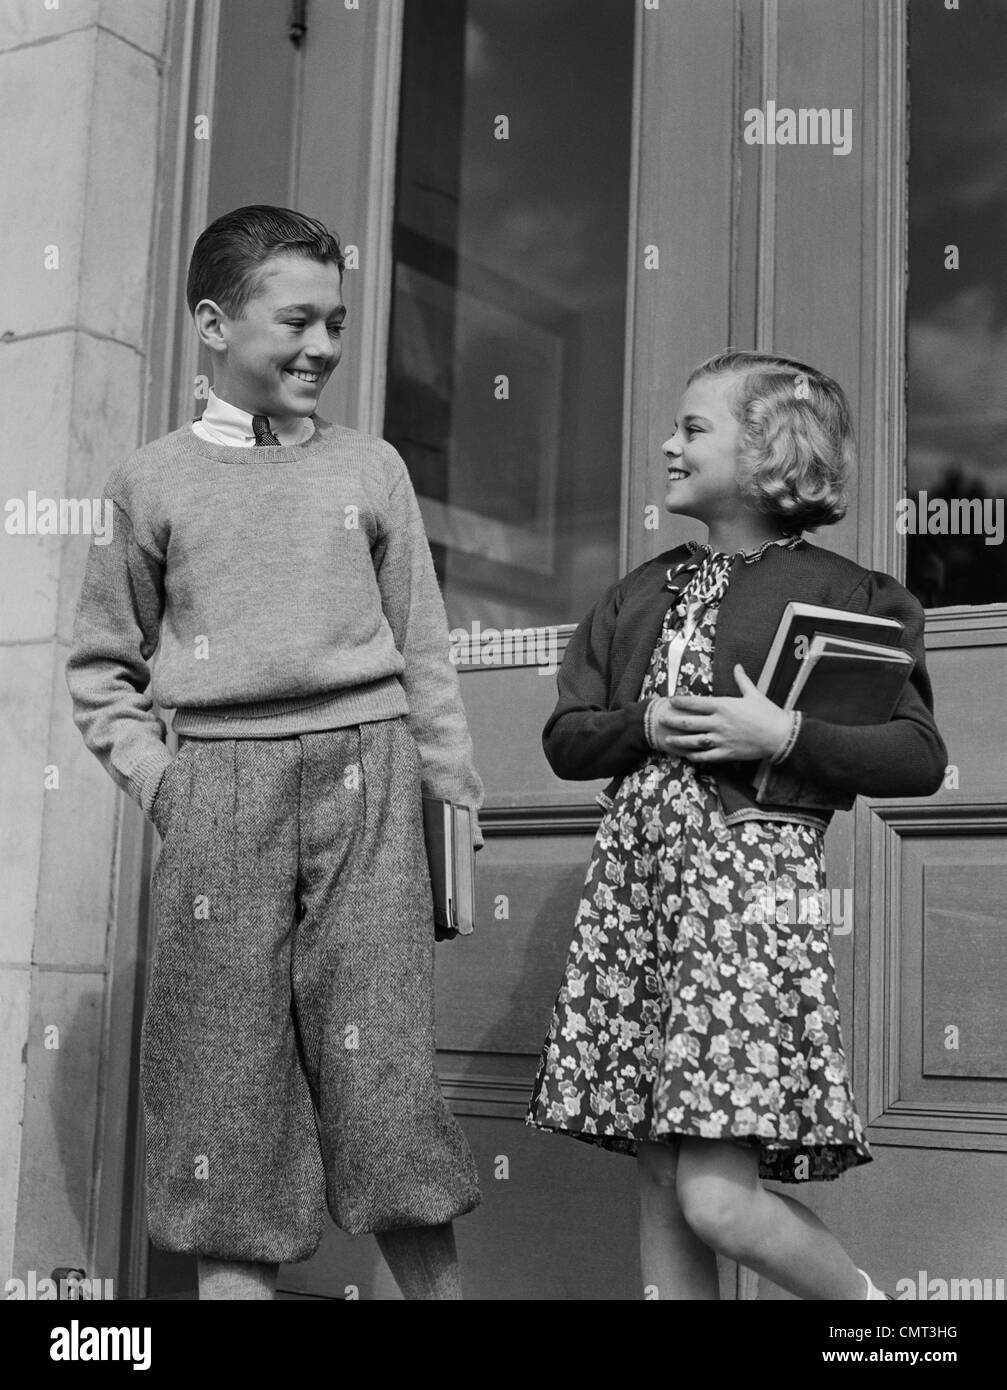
{"x":552,"y":212}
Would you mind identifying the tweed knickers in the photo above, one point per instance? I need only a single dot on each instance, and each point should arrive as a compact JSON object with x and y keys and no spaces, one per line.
{"x":287,"y":1060}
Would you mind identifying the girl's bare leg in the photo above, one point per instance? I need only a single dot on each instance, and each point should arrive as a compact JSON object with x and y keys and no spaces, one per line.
{"x":726,"y":1206}
{"x":675,"y":1262}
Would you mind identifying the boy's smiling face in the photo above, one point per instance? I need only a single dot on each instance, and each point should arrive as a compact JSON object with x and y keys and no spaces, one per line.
{"x":277,"y":358}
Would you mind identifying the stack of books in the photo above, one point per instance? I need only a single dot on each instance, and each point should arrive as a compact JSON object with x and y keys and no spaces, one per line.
{"x":451,"y":855}
{"x":831,"y":665}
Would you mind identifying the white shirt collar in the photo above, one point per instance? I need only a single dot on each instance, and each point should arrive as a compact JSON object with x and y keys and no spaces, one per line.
{"x":223,"y":423}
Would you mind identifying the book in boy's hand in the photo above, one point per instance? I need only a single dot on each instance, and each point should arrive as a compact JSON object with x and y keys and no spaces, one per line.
{"x":801,"y":622}
{"x":840,"y":677}
{"x":449,"y":835}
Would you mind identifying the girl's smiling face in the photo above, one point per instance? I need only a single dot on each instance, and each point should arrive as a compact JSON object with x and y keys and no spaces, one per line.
{"x":702,"y":454}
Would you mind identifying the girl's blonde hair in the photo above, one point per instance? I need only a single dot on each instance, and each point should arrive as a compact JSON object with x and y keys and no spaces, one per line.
{"x":796,"y":446}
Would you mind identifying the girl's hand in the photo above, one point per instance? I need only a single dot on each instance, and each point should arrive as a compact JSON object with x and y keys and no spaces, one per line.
{"x":715,"y":729}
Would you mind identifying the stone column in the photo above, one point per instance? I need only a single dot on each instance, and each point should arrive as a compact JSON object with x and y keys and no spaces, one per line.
{"x":80,"y":93}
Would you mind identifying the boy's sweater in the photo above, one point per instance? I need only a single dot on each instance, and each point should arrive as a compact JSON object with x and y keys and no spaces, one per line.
{"x":290,"y":588}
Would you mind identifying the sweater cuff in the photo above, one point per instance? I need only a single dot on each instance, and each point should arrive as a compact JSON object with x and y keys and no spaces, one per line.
{"x":786,"y":747}
{"x":145,"y":776}
{"x":636,"y":730}
{"x":805,"y":756}
{"x":649,"y":715}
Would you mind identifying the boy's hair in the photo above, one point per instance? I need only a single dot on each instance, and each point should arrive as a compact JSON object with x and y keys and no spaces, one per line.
{"x":226,"y":259}
{"x":796,"y":446}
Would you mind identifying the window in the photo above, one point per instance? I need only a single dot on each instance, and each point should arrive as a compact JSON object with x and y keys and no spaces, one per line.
{"x":957,"y":304}
{"x":506,"y":352}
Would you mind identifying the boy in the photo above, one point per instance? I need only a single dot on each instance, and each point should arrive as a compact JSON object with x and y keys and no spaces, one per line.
{"x":280,"y":562}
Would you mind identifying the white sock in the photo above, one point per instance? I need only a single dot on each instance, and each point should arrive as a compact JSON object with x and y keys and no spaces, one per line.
{"x":872,"y":1290}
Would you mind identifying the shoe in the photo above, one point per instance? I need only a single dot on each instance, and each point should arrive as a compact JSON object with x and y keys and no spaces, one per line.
{"x":872,"y":1290}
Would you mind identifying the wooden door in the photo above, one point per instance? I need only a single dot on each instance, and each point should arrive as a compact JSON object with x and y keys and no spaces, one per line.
{"x":531,"y":285}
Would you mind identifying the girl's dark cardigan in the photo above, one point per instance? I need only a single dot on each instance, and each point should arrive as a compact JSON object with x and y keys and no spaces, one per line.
{"x":596,"y":729}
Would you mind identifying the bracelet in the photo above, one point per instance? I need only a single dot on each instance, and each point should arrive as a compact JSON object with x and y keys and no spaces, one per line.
{"x":787,"y":745}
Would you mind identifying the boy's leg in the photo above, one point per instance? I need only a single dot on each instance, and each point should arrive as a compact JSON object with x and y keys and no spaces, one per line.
{"x":423,"y":1261}
{"x":363,"y":983}
{"x":233,"y":1164}
{"x":233,"y":1279}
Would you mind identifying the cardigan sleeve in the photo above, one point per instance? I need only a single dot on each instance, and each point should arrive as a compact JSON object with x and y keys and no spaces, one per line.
{"x":906,"y":756}
{"x":584,"y":738}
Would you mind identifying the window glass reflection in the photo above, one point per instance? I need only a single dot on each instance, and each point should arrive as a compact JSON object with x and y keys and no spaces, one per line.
{"x":505,"y":368}
{"x":953,"y":513}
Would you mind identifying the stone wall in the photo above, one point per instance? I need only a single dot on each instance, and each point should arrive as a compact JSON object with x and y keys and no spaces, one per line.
{"x":80,"y":96}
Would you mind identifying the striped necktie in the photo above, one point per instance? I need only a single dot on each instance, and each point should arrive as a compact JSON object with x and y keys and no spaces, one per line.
{"x":260,"y":428}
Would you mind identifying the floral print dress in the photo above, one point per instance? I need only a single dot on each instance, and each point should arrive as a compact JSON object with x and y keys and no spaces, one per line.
{"x":687,"y":1007}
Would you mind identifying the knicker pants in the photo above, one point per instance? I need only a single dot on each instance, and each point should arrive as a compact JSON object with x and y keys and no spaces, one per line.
{"x":287,"y":1058}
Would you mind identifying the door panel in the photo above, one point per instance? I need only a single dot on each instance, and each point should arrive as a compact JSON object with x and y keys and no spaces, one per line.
{"x":507,"y":709}
{"x":496,"y":990}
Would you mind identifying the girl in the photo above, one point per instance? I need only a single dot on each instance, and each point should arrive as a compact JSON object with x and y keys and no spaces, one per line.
{"x":694,"y":1028}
